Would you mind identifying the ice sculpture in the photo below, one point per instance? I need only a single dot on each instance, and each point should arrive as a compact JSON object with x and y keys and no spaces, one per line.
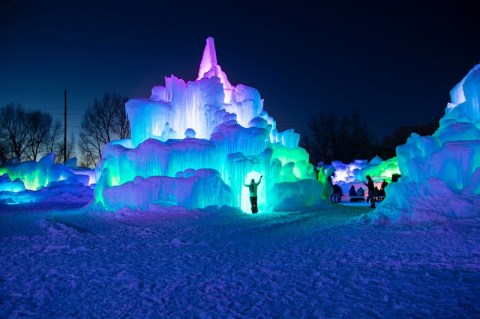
{"x":45,"y":181}
{"x":34,"y":175}
{"x":441,"y":173}
{"x":196,"y":143}
{"x":7,"y":185}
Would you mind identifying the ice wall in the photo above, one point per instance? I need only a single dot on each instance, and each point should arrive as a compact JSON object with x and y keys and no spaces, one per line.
{"x":441,"y":173}
{"x":190,"y":189}
{"x":34,"y":175}
{"x":7,"y":185}
{"x":44,"y":181}
{"x":206,"y":125}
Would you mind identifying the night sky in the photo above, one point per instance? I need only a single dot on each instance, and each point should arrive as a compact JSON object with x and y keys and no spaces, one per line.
{"x":394,"y":61}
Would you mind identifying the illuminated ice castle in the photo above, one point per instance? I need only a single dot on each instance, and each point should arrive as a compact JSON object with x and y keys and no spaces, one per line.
{"x":197,"y":143}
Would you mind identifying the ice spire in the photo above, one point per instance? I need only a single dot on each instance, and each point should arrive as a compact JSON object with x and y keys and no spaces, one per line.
{"x":209,"y":59}
{"x":209,"y":67}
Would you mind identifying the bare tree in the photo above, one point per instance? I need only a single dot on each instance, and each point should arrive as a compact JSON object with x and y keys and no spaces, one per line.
{"x":59,"y":146}
{"x":121,"y":126}
{"x":330,"y":139}
{"x":321,"y":142}
{"x":104,"y":121}
{"x":38,"y":130}
{"x":56,"y":143}
{"x":3,"y":151}
{"x":27,"y":135}
{"x":56,"y":133}
{"x":14,"y":130}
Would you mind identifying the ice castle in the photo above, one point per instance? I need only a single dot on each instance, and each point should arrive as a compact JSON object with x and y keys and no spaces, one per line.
{"x":197,"y":143}
{"x":441,"y":173}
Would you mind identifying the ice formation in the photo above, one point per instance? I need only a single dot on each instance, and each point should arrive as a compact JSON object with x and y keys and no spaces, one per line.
{"x":197,"y":143}
{"x":441,"y":173}
{"x":32,"y":175}
{"x":346,"y":175}
{"x":28,"y":181}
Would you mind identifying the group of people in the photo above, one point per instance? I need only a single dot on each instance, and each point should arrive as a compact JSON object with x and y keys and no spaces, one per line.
{"x":356,"y":193}
{"x":336,"y":197}
{"x":373,"y":192}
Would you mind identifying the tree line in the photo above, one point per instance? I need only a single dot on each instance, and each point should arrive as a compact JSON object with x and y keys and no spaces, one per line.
{"x":105,"y":120}
{"x":29,"y":135}
{"x":26,"y":135}
{"x":331,"y":138}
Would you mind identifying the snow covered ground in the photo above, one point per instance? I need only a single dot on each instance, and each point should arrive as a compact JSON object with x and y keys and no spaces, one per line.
{"x":61,"y":262}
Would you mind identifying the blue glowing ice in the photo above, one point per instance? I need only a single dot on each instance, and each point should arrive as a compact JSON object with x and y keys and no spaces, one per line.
{"x":217,"y":134}
{"x":441,"y":173}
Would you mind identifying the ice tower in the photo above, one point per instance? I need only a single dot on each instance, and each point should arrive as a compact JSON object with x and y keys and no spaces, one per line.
{"x":197,"y":143}
{"x":441,"y":173}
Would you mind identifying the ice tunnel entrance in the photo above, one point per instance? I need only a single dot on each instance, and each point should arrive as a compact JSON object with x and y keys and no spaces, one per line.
{"x":245,"y":204}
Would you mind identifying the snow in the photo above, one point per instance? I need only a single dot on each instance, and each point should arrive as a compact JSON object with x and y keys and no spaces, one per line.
{"x":327,"y":262}
{"x":159,"y":230}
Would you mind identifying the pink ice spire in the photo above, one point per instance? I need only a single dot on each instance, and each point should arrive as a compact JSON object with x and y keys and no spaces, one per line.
{"x":209,"y":66}
{"x":209,"y":58}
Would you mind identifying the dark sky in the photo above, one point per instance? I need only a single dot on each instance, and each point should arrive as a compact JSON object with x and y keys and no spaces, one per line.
{"x":394,"y":61}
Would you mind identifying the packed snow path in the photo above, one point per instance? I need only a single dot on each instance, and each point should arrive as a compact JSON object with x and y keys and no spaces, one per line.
{"x":173,"y":263}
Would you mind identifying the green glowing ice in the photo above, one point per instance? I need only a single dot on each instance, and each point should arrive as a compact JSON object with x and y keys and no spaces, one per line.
{"x":384,"y":170}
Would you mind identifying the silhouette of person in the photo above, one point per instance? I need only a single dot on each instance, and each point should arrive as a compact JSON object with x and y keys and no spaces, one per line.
{"x":253,"y":193}
{"x":337,"y":194}
{"x":352,"y":192}
{"x":360,"y":192}
{"x":371,"y":191}
{"x":381,"y":192}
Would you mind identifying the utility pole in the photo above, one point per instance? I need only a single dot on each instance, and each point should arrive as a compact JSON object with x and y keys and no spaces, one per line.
{"x":65,"y":131}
